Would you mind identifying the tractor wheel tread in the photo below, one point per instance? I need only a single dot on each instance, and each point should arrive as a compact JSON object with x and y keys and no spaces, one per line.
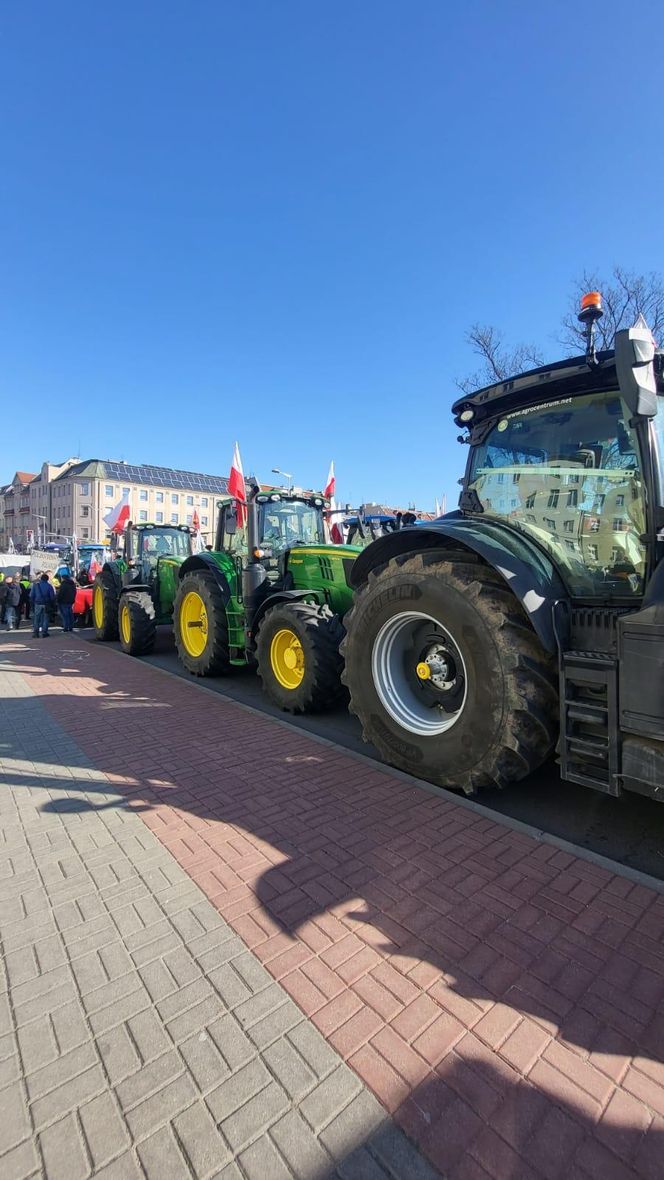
{"x":321,"y":633}
{"x":106,"y":583}
{"x":215,"y":659}
{"x":521,"y":731}
{"x":142,"y":623}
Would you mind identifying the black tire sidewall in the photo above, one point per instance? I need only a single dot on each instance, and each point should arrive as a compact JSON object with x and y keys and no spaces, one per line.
{"x":465,"y":744}
{"x":289,"y":699}
{"x":202,"y":583}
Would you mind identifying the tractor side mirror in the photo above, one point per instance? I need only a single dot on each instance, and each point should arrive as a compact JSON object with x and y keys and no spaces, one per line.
{"x":230,"y":522}
{"x":635,"y":366}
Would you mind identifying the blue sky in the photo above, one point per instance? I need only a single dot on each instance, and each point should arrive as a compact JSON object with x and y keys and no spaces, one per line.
{"x":276,"y":220}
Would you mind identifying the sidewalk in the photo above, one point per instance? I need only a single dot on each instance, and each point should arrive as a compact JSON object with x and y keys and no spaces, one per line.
{"x":501,"y":998}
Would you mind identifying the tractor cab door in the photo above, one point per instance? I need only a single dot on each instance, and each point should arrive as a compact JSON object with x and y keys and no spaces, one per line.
{"x":283,"y":524}
{"x":231,"y":535}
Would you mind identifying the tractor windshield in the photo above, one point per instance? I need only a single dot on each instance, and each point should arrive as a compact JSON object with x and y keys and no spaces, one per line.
{"x":164,"y":543}
{"x":569,"y":474}
{"x":286,"y":522}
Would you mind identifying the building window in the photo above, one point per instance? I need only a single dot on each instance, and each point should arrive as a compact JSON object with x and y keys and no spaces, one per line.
{"x":190,"y":501}
{"x":142,"y":514}
{"x":550,"y":523}
{"x":174,"y":517}
{"x":620,"y":501}
{"x":160,"y":518}
{"x":204,"y":502}
{"x":553,"y":498}
{"x":126,"y":491}
{"x":85,"y":511}
{"x":569,"y":526}
{"x":592,"y":552}
{"x":190,"y":519}
{"x":204,"y":520}
{"x":108,"y":490}
{"x":530,"y":502}
{"x":570,"y":545}
{"x":85,"y":533}
{"x":615,"y":554}
{"x":85,"y":489}
{"x":160,"y":497}
{"x":175,"y":499}
{"x":142,"y":495}
{"x":572,"y":499}
{"x":618,"y":524}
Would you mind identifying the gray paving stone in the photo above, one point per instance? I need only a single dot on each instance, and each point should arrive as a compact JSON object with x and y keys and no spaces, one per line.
{"x":360,"y":1165}
{"x":149,"y":1079}
{"x":63,"y":1152}
{"x":255,"y":1116}
{"x":350,"y":1129}
{"x":161,"y":1107}
{"x":272,"y":1027}
{"x":20,"y":1162}
{"x":300,"y":1147}
{"x":14,"y":1123}
{"x":125,"y":1167}
{"x":204,"y":1061}
{"x":329,"y":1097}
{"x":104,"y":1129}
{"x":63,"y":1069}
{"x":240,"y":1087}
{"x":233,"y":1044}
{"x":314,"y":1048}
{"x":203,"y":1145}
{"x":290,"y":1070}
{"x":161,"y":1157}
{"x":398,"y":1155}
{"x":118,"y":1052}
{"x":262,"y":1160}
{"x":68,"y":1096}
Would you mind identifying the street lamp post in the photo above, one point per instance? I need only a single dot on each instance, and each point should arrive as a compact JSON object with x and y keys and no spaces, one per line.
{"x":287,"y":474}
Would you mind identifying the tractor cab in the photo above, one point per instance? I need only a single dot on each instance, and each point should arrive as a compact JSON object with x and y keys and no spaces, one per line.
{"x":274,"y":521}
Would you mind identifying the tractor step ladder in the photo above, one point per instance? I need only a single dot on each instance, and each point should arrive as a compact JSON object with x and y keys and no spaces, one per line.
{"x":589,"y":745}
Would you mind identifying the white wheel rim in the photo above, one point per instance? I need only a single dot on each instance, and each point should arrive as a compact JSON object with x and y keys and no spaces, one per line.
{"x":414,"y":709}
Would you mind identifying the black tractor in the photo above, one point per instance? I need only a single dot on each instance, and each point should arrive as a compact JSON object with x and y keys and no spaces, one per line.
{"x":532,"y":617}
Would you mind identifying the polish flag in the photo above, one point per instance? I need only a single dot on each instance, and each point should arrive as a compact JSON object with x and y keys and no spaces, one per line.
{"x":236,"y":487}
{"x":331,"y":483}
{"x":196,"y":524}
{"x":116,"y":519}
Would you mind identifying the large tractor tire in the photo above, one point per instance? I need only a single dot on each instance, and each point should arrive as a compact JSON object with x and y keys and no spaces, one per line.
{"x":446,"y":674}
{"x":201,"y":626}
{"x":105,"y":599}
{"x":297,"y":652}
{"x":136,"y":623}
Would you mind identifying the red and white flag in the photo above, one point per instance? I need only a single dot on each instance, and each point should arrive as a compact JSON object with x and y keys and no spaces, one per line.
{"x":236,"y":487}
{"x":331,"y":483}
{"x":116,"y":519}
{"x":195,"y":521}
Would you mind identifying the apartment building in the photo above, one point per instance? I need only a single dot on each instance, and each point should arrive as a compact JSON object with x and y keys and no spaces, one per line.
{"x":75,"y":496}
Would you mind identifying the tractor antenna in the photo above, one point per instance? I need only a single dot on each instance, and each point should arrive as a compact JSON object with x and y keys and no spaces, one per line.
{"x":590,"y":314}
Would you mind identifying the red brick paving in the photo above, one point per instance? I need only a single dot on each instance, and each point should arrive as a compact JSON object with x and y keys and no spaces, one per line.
{"x":503,"y":998}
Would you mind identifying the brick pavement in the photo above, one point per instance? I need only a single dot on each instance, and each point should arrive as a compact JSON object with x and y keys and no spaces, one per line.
{"x":139,"y":1037}
{"x":501,"y":997}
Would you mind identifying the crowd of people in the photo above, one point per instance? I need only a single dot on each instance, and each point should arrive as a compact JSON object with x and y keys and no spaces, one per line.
{"x":37,"y":600}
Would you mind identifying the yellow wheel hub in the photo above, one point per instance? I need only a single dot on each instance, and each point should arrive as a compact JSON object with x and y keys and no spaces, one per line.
{"x":423,"y":671}
{"x":125,"y":623}
{"x":193,"y":624}
{"x":98,"y":606}
{"x":287,"y":659}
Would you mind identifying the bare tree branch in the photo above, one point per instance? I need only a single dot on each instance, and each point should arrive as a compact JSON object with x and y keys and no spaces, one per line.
{"x":498,"y":362}
{"x":625,"y":296}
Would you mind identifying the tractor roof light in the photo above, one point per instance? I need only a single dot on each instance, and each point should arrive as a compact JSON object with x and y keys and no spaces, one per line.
{"x":590,"y":313}
{"x":591,"y":306}
{"x":467,"y":415}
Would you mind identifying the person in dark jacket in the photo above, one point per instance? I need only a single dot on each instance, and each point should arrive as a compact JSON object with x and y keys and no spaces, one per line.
{"x":66,"y":596}
{"x":11,"y":599}
{"x":42,"y":597}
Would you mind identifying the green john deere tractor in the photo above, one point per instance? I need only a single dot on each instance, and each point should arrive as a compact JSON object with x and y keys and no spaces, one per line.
{"x":134,"y":594}
{"x":272,"y":593}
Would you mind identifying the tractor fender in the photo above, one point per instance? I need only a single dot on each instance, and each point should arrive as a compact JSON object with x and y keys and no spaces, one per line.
{"x":272,"y":600}
{"x":111,"y":568}
{"x":527,"y":569}
{"x":205,"y":561}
